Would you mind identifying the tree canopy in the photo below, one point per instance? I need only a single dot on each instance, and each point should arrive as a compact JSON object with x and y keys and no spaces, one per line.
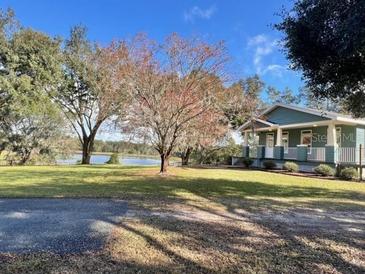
{"x":325,"y":39}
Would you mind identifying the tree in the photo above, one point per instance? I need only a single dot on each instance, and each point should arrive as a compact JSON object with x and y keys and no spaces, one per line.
{"x":171,"y":85}
{"x":286,"y":96}
{"x":207,"y":131}
{"x":325,"y":39}
{"x":92,"y":88}
{"x":322,"y":104}
{"x":30,"y":68}
{"x":242,"y":101}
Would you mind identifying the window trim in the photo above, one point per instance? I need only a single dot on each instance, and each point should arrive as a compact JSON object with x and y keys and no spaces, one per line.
{"x":282,"y":134}
{"x":339,"y":144}
{"x":301,"y":138}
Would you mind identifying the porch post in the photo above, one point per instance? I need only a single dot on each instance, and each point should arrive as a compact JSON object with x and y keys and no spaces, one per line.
{"x":331,"y":146}
{"x":246,"y":148}
{"x":279,"y":149}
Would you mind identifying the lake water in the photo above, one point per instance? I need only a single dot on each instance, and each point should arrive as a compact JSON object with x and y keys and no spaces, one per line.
{"x":101,"y":159}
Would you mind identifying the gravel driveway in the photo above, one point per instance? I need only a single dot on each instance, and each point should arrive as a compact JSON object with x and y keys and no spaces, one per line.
{"x":57,"y":225}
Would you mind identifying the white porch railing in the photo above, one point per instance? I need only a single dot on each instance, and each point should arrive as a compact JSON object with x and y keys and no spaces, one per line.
{"x":316,"y":154}
{"x":346,"y":155}
{"x":291,"y":153}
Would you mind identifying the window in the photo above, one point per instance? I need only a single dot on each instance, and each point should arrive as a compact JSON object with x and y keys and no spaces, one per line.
{"x":306,"y":139}
{"x":285,"y":141}
{"x":338,"y":136}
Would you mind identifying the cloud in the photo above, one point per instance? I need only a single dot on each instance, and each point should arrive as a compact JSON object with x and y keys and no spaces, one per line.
{"x":264,"y":46}
{"x":198,"y":13}
{"x":275,"y":69}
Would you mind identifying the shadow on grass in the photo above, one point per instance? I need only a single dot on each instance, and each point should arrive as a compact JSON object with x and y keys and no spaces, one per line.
{"x":243,"y":240}
{"x":126,"y":182}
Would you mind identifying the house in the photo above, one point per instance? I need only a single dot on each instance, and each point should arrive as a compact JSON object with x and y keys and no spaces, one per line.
{"x":306,"y":136}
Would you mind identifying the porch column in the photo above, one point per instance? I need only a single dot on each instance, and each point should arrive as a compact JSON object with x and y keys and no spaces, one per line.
{"x":279,"y":148}
{"x":246,"y":149}
{"x":331,"y":146}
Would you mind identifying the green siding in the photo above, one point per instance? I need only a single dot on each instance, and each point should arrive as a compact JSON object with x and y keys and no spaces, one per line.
{"x":284,"y":116}
{"x":262,"y":137}
{"x":348,"y":136}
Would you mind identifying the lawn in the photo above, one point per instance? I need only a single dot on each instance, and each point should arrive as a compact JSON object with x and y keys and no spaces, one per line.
{"x":204,"y":220}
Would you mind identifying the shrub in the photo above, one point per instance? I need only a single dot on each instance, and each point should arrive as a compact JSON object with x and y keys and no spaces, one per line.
{"x":324,"y":170}
{"x":348,"y":173}
{"x":247,"y":162}
{"x":269,"y":164}
{"x":291,"y":167}
{"x":114,"y":159}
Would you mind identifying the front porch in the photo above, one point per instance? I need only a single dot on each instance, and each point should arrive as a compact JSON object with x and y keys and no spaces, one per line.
{"x":326,"y":142}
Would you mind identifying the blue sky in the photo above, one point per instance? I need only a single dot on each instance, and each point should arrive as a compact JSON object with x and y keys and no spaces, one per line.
{"x":244,"y":25}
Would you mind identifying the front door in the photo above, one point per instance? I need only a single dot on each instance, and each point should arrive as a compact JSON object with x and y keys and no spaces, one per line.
{"x":269,"y":149}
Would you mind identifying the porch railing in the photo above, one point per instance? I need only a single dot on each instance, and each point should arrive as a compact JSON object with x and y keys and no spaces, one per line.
{"x":316,"y":154}
{"x":291,"y":153}
{"x":350,"y":155}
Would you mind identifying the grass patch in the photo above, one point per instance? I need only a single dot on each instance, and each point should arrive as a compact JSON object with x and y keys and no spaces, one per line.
{"x":203,"y":221}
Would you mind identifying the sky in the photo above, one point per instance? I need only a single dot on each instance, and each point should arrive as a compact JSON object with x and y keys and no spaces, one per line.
{"x":244,"y":25}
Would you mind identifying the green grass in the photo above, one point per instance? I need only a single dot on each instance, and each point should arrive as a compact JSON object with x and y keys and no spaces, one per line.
{"x":225,"y":238}
{"x":185,"y":184}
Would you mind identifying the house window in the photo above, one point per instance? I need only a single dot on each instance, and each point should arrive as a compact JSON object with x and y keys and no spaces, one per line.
{"x":285,"y":141}
{"x":338,"y":136}
{"x":306,"y":139}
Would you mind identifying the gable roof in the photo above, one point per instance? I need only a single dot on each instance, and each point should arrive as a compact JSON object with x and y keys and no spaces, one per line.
{"x":322,"y":115}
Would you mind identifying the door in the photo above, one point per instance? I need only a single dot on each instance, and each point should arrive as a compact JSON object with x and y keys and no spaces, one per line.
{"x":269,"y":149}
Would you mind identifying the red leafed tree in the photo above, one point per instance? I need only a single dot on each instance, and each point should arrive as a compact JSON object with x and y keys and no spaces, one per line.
{"x":172,"y":86}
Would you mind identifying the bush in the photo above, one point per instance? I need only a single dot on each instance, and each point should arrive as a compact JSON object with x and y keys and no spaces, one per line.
{"x":269,"y":164}
{"x":324,"y":170}
{"x":348,"y":173}
{"x":247,"y":162}
{"x":114,"y":159}
{"x":291,"y":167}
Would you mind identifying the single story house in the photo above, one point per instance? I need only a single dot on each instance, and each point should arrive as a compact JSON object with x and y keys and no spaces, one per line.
{"x":306,"y":136}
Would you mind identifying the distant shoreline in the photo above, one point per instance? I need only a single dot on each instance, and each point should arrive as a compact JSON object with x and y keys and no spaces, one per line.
{"x":121,"y":154}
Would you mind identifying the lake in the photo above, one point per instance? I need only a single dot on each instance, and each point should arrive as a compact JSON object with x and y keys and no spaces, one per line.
{"x":101,"y":159}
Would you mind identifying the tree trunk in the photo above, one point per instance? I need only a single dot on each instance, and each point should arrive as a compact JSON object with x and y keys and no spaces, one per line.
{"x":164,"y":163}
{"x":88,"y":145}
{"x":86,"y":152}
{"x":185,"y":156}
{"x":25,"y":157}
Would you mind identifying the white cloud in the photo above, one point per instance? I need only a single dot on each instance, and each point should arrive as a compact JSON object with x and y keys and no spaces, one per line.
{"x":264,"y":46}
{"x":275,"y":69}
{"x":196,"y":12}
